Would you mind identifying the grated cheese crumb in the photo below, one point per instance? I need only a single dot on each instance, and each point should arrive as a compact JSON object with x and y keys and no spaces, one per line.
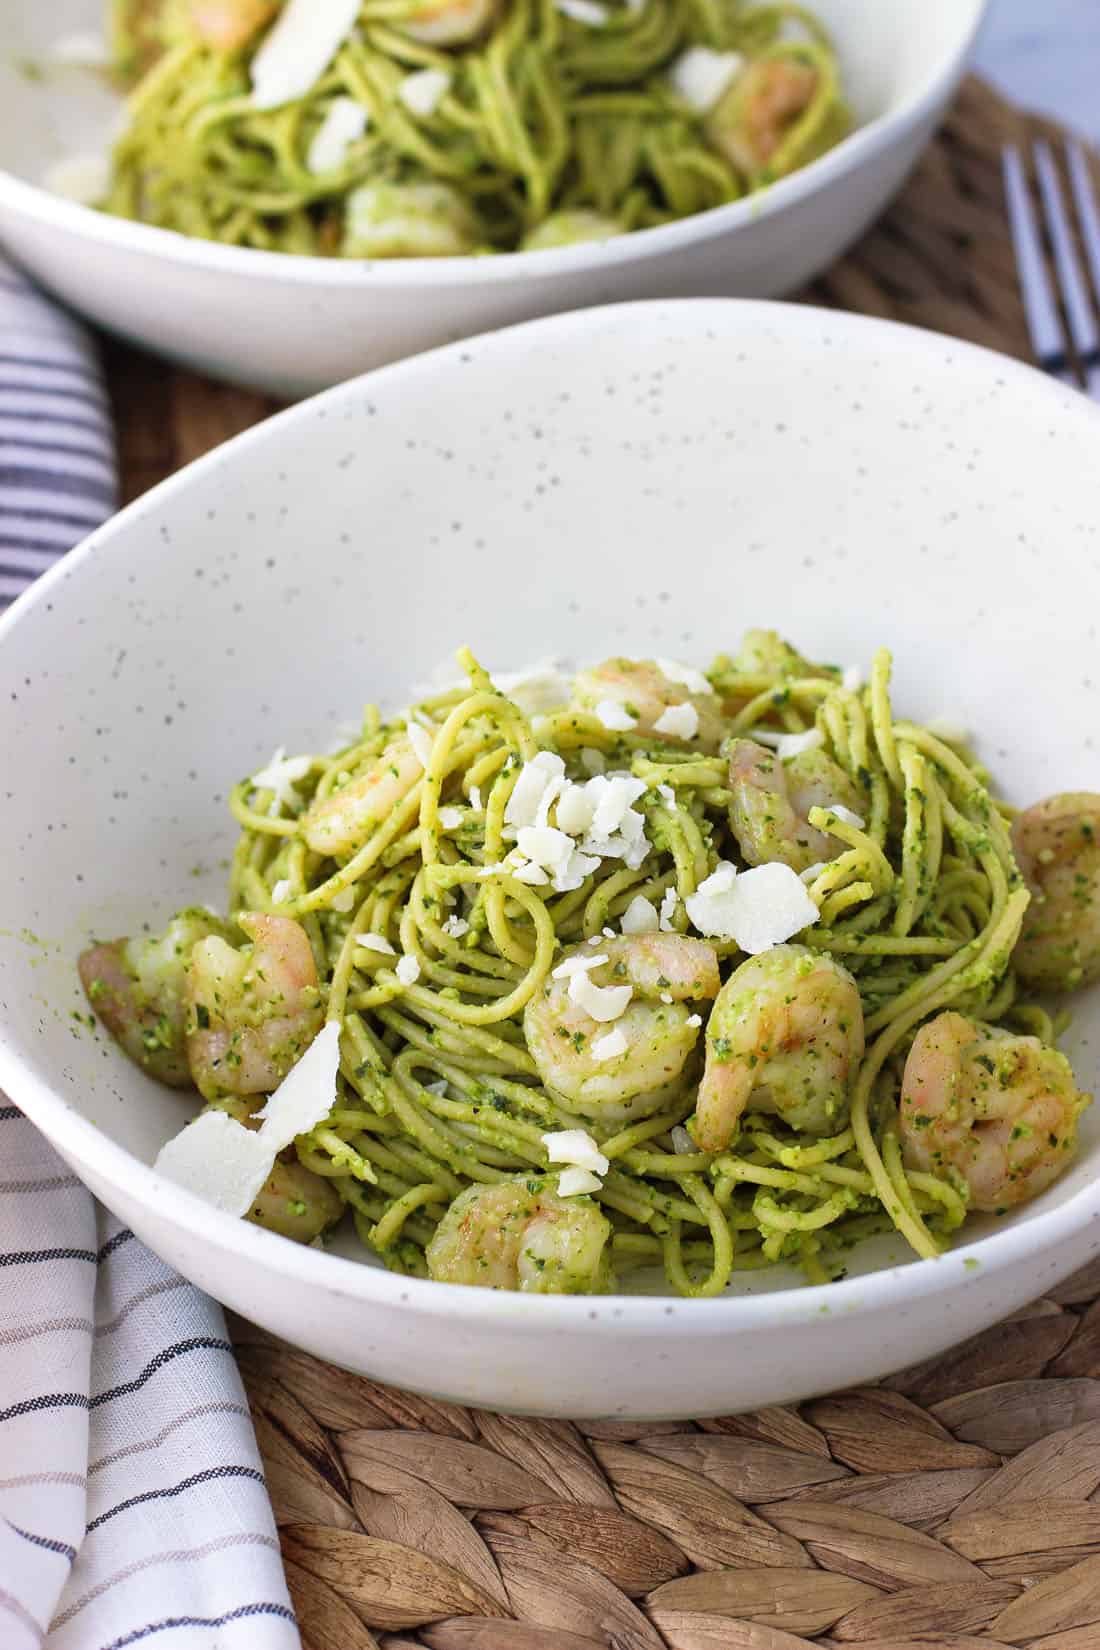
{"x":343,"y":124}
{"x":599,"y":1002}
{"x":846,"y":815}
{"x":593,"y":761}
{"x":610,"y":1045}
{"x":700,"y":76}
{"x":422,"y":91}
{"x":683,"y":675}
{"x":614,"y":716}
{"x":280,"y":893}
{"x":682,"y":1140}
{"x":576,"y":1182}
{"x":408,"y":970}
{"x":852,"y":679}
{"x":376,"y":942}
{"x":421,"y":741}
{"x":786,"y":745}
{"x":579,"y":965}
{"x":451,"y":818}
{"x":640,"y":916}
{"x":456,"y":927}
{"x":577,"y":1148}
{"x":679,"y":721}
{"x":694,"y":1021}
{"x":670,"y":899}
{"x":344,"y":900}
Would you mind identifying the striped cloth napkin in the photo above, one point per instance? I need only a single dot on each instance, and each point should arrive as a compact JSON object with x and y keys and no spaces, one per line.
{"x":132,"y":1504}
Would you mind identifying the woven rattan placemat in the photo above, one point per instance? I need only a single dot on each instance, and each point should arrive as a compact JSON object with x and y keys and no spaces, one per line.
{"x":951,"y":1505}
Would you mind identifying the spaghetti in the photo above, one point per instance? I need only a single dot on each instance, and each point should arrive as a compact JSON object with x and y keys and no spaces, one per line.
{"x":440,"y":1088}
{"x":552,"y":122}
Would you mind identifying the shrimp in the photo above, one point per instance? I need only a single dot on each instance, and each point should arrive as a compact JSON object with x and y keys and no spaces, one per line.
{"x":136,"y":987}
{"x":771,"y":800}
{"x":251,"y":1014}
{"x":519,"y":1234}
{"x":665,"y":973}
{"x":293,"y":1201}
{"x":754,"y":117}
{"x":998,"y":1110}
{"x":342,"y":821}
{"x":784,"y":1036}
{"x":643,"y":690}
{"x":227,"y":25}
{"x":448,"y":22}
{"x":1057,"y":844}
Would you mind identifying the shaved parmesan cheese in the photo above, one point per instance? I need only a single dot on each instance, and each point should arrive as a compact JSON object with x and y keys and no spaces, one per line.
{"x":281,"y":772}
{"x":450,"y":818}
{"x":577,"y":1148}
{"x":219,"y":1160}
{"x":760,"y":908}
{"x":852,"y":679}
{"x":82,"y":51}
{"x":584,"y":11}
{"x":538,"y":690}
{"x":593,"y":761}
{"x":700,"y":76}
{"x":573,"y":873}
{"x":609,"y":1046}
{"x":84,"y":177}
{"x":666,"y":996}
{"x":421,"y":741}
{"x":456,"y":927}
{"x":694,"y":1021}
{"x":306,"y":1094}
{"x":545,"y":846}
{"x":344,"y":123}
{"x":683,"y":675}
{"x":575,"y":809}
{"x":281,"y":892}
{"x":679,"y":721}
{"x":522,"y":807}
{"x":376,"y":942}
{"x":574,"y":1182}
{"x":408,"y":970}
{"x":812,"y":872}
{"x":786,"y":745}
{"x":721,"y":879}
{"x":579,"y":965}
{"x":601,"y":1002}
{"x":421,"y":91}
{"x":613,"y":795}
{"x":669,"y":901}
{"x":681,"y":1139}
{"x":344,"y":900}
{"x":845,"y":815}
{"x":640,"y":916}
{"x":298,"y":48}
{"x":667,"y":795}
{"x":524,"y":871}
{"x":475,"y":797}
{"x":614,"y":716}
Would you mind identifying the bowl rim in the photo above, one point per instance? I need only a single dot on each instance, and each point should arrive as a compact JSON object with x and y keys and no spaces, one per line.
{"x":863,"y":144}
{"x":334,"y":1275}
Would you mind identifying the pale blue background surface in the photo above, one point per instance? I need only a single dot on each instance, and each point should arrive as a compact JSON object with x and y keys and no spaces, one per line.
{"x":1046,"y":55}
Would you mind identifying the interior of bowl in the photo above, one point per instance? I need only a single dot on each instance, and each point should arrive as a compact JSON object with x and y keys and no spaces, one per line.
{"x":650,"y":479}
{"x":890,"y":57}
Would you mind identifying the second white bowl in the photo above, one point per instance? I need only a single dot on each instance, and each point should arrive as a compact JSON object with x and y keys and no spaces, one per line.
{"x":291,"y":325}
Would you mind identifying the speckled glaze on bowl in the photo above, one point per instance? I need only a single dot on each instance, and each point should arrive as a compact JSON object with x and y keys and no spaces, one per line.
{"x":647,"y":479}
{"x":292,"y":325}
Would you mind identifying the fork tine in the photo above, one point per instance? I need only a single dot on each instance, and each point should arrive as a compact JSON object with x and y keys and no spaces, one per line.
{"x":1043,"y":321}
{"x":1071,"y":279}
{"x":1088,"y":213}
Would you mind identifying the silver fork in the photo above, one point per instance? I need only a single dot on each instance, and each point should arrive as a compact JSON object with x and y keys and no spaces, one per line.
{"x":1078,"y":286}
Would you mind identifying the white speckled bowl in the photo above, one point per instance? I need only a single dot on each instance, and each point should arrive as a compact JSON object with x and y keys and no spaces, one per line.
{"x":650,"y":479}
{"x":293,"y":325}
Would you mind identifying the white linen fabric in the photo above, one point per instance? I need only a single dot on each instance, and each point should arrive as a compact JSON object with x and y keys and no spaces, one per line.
{"x":133,"y":1509}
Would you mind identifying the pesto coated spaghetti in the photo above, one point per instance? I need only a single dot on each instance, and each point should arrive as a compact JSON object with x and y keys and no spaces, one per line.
{"x":442,"y":127}
{"x":741,"y":951}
